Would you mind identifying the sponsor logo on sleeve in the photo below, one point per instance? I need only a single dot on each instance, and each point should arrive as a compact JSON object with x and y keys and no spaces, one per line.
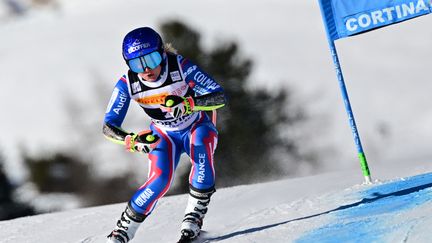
{"x":190,"y":70}
{"x":122,"y":100}
{"x":205,"y":81}
{"x":112,"y":100}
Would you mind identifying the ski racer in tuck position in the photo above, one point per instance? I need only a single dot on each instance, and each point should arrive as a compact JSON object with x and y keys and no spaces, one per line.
{"x":174,"y":93}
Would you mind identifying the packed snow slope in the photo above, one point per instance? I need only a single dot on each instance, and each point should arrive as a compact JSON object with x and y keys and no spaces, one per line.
{"x":333,"y":207}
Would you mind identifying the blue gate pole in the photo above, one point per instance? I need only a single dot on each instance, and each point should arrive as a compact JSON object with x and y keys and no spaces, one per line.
{"x":352,"y":123}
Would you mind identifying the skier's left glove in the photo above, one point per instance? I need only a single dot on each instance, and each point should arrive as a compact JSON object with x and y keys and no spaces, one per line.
{"x":178,"y":106}
{"x":143,"y":142}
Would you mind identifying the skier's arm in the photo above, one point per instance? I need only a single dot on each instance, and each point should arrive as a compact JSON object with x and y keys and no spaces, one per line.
{"x":209,"y":95}
{"x":143,"y":141}
{"x":114,"y":134}
{"x":116,"y":112}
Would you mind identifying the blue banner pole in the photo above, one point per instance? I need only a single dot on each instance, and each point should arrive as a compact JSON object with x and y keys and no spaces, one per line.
{"x":344,"y":18}
{"x":352,"y":123}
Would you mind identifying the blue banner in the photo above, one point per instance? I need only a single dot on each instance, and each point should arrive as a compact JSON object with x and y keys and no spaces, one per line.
{"x":344,"y":18}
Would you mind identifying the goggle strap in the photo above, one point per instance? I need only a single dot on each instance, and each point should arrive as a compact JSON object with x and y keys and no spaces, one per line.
{"x":142,"y":64}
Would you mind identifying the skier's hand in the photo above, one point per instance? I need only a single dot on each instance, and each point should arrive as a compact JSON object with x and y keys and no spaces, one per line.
{"x":178,"y":106}
{"x":143,"y":142}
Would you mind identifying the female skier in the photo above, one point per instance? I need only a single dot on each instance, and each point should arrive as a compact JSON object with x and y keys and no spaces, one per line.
{"x":174,"y":93}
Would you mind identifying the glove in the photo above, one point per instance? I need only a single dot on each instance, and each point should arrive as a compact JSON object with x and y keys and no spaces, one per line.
{"x":143,"y":142}
{"x":178,"y":106}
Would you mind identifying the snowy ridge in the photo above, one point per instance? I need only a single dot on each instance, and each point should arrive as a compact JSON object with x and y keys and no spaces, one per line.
{"x":323,"y":208}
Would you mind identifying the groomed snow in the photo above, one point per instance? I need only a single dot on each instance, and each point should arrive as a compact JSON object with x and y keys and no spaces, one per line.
{"x":334,"y":207}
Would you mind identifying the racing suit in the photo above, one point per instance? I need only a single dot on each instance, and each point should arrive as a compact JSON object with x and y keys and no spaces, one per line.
{"x":194,"y":133}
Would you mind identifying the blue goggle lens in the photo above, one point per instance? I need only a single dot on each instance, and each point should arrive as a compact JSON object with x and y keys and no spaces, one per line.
{"x":139,"y":64}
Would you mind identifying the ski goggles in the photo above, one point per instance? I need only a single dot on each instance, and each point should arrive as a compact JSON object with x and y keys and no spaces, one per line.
{"x":139,"y":64}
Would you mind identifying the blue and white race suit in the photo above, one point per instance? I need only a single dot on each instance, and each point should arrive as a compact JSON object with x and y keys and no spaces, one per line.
{"x":193,"y":134}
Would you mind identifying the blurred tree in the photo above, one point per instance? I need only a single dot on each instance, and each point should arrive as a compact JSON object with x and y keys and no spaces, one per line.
{"x":5,"y":186}
{"x":58,"y":173}
{"x":250,"y":126}
{"x":10,"y":208}
{"x":67,"y":173}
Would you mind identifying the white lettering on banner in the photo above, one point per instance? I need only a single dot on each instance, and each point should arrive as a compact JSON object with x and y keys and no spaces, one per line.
{"x":201,"y":168}
{"x":377,"y":17}
{"x":143,"y":197}
{"x":121,"y":103}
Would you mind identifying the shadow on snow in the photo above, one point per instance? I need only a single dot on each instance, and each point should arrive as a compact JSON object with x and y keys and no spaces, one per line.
{"x":376,"y":196}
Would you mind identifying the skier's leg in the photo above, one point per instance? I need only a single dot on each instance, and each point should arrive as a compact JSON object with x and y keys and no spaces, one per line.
{"x":163,"y":161}
{"x":196,"y":209}
{"x":203,"y":141}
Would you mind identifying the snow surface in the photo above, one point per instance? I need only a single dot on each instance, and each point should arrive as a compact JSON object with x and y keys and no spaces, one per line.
{"x":332,"y":207}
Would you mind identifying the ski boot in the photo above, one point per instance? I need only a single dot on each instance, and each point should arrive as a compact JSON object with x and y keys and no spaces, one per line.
{"x":194,"y":214}
{"x":126,"y":226}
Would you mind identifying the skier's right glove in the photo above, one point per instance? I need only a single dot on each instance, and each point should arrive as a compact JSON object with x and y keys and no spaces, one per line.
{"x":143,"y":142}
